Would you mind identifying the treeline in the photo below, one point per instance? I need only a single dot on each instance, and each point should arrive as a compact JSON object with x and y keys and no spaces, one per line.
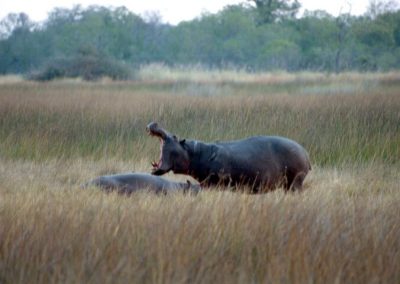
{"x":238,"y":36}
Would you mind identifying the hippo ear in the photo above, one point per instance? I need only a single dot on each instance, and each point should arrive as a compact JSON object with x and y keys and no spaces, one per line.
{"x":184,"y":145}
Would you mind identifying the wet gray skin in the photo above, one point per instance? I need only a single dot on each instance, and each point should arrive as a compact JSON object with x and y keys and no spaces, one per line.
{"x":261,"y":162}
{"x":133,"y":182}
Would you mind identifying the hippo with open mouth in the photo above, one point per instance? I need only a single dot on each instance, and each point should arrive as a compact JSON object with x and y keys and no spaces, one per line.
{"x":261,"y":162}
{"x":132,"y":182}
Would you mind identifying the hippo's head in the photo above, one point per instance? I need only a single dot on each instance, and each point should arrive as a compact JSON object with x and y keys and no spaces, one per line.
{"x":173,"y":155}
{"x":192,"y":188}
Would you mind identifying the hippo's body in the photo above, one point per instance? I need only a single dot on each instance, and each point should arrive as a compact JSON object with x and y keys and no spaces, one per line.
{"x":133,"y":182}
{"x":261,"y":162}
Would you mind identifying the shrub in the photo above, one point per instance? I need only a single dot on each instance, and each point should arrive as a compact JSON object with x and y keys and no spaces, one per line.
{"x":88,"y":67}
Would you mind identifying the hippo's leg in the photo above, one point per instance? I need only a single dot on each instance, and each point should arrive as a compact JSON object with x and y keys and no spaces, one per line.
{"x":288,"y":180}
{"x":296,"y":183}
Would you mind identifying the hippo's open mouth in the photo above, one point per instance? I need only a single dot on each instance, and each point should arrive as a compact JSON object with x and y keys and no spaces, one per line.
{"x":161,"y":167}
{"x":157,"y":165}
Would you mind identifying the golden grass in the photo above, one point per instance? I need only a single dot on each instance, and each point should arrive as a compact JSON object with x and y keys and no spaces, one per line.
{"x":198,"y":73}
{"x":344,"y":228}
{"x":10,"y":79}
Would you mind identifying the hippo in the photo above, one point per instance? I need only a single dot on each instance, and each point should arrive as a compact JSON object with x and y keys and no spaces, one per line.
{"x":261,"y":163}
{"x":133,"y":182}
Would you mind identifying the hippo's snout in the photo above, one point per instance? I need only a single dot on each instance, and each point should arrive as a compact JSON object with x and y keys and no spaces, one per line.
{"x":155,"y":130}
{"x":152,"y":128}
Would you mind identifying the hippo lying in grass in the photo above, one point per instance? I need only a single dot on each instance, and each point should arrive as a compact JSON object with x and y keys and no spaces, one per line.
{"x":133,"y":182}
{"x":261,"y":162}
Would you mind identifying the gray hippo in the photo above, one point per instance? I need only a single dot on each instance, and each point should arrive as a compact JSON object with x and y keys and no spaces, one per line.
{"x":133,"y":182}
{"x":260,"y":162}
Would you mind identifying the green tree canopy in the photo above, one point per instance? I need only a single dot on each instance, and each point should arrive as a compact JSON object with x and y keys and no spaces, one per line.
{"x":270,"y":11}
{"x":232,"y":37}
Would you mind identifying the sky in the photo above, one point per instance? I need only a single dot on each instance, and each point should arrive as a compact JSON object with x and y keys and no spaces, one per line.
{"x":171,"y":11}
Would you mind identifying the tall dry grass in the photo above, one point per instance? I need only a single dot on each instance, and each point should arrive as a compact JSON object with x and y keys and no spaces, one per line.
{"x":41,"y":121}
{"x":344,"y":228}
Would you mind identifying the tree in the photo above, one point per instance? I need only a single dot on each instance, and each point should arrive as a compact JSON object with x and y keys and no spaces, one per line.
{"x":379,"y":7}
{"x":343,"y":24}
{"x":270,"y":11}
{"x":13,"y":22}
{"x":319,"y":35}
{"x":19,"y":45}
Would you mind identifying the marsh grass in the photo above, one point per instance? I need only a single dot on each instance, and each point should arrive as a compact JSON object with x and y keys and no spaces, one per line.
{"x":344,"y":228}
{"x":49,"y":121}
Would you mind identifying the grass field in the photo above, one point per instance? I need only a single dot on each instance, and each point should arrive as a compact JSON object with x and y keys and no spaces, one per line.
{"x":344,"y":228}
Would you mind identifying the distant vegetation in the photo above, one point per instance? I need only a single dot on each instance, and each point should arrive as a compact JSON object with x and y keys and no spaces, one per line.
{"x":86,"y":66}
{"x":249,"y":36}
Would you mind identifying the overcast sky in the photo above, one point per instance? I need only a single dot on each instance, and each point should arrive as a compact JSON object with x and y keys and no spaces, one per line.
{"x":171,"y":11}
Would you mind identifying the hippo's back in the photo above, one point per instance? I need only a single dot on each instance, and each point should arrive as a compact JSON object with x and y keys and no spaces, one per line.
{"x":131,"y":182}
{"x":265,"y":159}
{"x":268,"y":148}
{"x":288,"y":152}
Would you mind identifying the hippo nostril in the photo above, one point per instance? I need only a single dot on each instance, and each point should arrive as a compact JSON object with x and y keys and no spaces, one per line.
{"x":152,"y":128}
{"x":152,"y":125}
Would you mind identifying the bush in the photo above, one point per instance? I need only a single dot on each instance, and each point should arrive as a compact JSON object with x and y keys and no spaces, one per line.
{"x":88,"y":67}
